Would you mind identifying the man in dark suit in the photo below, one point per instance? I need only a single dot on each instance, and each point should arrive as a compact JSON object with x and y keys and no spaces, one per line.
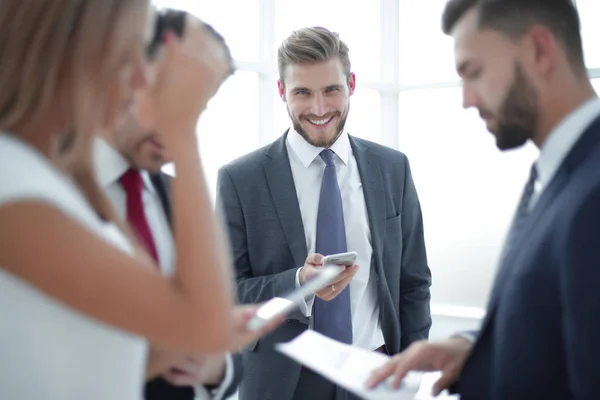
{"x":128,"y":161}
{"x":317,"y":191}
{"x":522,"y":66}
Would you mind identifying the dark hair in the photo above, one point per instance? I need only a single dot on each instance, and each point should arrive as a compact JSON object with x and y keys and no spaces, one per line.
{"x":174,"y":21}
{"x":515,"y":17}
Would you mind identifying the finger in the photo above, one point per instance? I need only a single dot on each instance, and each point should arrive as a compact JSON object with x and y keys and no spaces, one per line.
{"x":178,"y":378}
{"x":326,"y":295}
{"x":245,"y":336}
{"x":197,"y":360}
{"x":347,"y":274}
{"x":270,"y":327}
{"x":447,"y":379}
{"x":323,"y":295}
{"x":399,"y":374}
{"x":402,"y":365}
{"x":314,"y":259}
{"x":242,"y":314}
{"x":381,"y":374}
{"x":247,"y":311}
{"x":342,"y":283}
{"x":187,"y":366}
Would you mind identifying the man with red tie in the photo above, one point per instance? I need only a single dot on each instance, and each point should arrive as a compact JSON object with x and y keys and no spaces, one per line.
{"x":128,"y":163}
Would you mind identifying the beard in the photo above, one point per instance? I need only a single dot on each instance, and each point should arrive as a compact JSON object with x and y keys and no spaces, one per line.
{"x":321,"y":142}
{"x":518,"y":114}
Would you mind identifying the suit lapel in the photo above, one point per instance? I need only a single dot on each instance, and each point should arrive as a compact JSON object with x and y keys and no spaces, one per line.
{"x":373,"y":190}
{"x":283,"y":192}
{"x":582,"y":148}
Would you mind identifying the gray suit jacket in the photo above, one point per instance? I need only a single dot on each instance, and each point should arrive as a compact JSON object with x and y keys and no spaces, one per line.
{"x":258,"y":201}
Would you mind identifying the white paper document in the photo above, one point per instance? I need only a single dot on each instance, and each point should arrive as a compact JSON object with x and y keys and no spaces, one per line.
{"x":349,"y":367}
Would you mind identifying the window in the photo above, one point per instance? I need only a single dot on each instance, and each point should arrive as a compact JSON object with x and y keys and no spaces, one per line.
{"x":237,"y":21}
{"x":468,"y":189}
{"x":229,"y":127}
{"x":590,"y":31}
{"x":363,"y":118}
{"x":357,"y":22}
{"x":426,"y":55}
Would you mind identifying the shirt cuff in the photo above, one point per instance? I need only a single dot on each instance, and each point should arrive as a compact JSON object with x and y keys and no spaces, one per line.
{"x":469,"y":336}
{"x":307,"y":303}
{"x":218,"y":392}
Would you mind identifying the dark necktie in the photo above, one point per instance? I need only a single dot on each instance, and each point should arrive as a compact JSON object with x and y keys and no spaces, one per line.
{"x":332,"y":318}
{"x":513,"y":236}
{"x":133,"y":185}
{"x":523,"y":207}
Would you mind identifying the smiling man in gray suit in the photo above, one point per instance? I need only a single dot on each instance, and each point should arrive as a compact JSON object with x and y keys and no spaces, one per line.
{"x":319,"y":190}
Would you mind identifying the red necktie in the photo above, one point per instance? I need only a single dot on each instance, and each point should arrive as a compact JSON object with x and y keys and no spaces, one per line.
{"x":133,"y":184}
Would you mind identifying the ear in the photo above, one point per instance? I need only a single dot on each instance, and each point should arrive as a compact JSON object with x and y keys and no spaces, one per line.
{"x":281,"y":89}
{"x":352,"y":83}
{"x":543,"y":50}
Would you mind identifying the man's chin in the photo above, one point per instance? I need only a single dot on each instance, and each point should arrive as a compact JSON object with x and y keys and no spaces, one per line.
{"x":509,"y":143}
{"x":321,"y":140}
{"x":319,"y":137}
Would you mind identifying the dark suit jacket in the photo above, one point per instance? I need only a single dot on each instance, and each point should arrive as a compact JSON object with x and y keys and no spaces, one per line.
{"x":158,"y":388}
{"x":541,"y":335}
{"x":260,"y":207}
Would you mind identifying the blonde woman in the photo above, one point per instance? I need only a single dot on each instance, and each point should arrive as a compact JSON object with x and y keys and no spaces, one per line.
{"x":77,"y":300}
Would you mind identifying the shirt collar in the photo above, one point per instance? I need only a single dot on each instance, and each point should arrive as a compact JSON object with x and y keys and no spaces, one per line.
{"x":110,"y":165}
{"x":563,"y":137}
{"x":307,"y":153}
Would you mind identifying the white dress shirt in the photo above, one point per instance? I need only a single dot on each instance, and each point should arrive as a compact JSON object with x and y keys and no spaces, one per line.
{"x":560,"y":142}
{"x":110,"y":166}
{"x":307,"y":171}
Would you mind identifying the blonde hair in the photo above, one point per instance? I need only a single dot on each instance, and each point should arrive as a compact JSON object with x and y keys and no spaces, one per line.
{"x":310,"y":46}
{"x":59,"y":59}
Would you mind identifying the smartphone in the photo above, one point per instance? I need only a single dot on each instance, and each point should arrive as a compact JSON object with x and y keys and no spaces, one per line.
{"x":279,"y":306}
{"x":345,"y":259}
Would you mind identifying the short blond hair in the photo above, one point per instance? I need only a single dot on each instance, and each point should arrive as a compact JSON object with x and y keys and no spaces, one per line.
{"x":310,"y":46}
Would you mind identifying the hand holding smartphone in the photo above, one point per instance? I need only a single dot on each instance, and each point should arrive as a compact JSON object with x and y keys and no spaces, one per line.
{"x":332,"y":267}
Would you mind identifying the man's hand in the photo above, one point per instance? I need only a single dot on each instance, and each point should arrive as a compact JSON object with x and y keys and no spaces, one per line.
{"x":161,"y":361}
{"x":448,"y":356}
{"x":194,"y":371}
{"x":242,"y":314}
{"x":311,"y":268}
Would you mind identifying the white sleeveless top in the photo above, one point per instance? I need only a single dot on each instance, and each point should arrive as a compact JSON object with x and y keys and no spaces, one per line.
{"x":49,"y":351}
